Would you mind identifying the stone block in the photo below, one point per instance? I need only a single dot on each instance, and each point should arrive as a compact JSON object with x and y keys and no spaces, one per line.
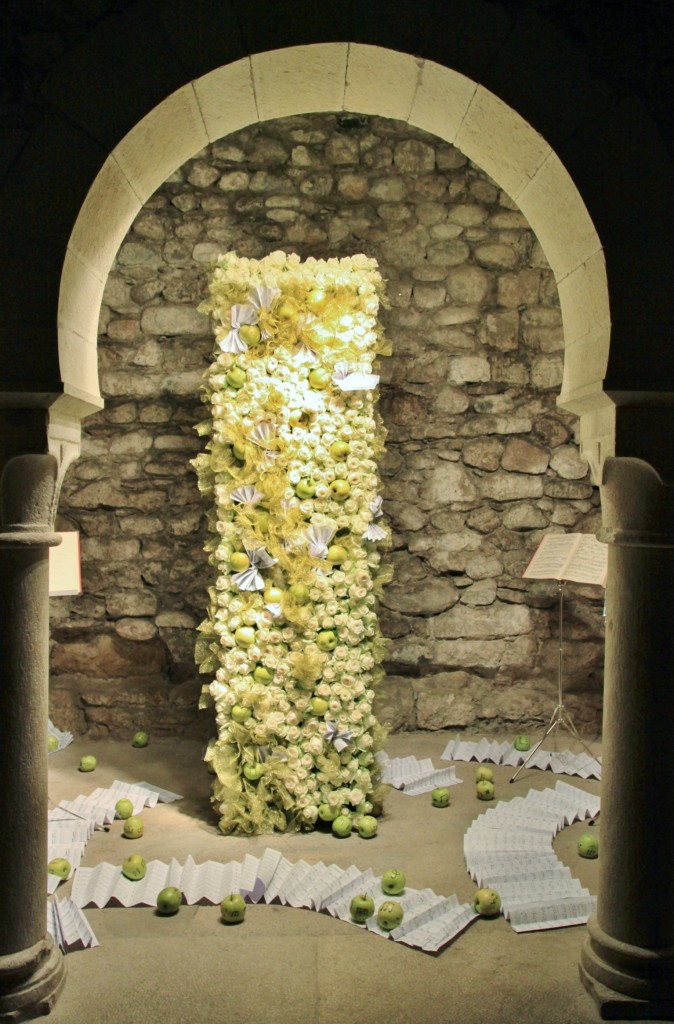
{"x":483,"y":453}
{"x":412,"y":156}
{"x":445,"y":700}
{"x":135,"y":629}
{"x":521,"y":456}
{"x":174,"y":320}
{"x":445,"y":483}
{"x":493,"y":622}
{"x":427,"y":597}
{"x":468,"y":285}
{"x":566,"y":461}
{"x":547,"y":372}
{"x":394,"y":703}
{"x":104,"y":656}
{"x":510,"y":486}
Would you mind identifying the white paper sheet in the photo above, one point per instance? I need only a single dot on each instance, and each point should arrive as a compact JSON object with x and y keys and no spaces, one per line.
{"x":68,"y":926}
{"x":561,"y":763}
{"x":413,"y":776}
{"x":509,"y":848}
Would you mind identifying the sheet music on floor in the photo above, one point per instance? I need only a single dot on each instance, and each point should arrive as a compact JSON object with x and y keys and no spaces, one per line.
{"x":413,"y":776}
{"x":68,"y":926}
{"x":561,"y":763}
{"x":64,"y":738}
{"x":99,"y":805}
{"x":431,"y":921}
{"x":72,"y":822}
{"x":509,"y":848}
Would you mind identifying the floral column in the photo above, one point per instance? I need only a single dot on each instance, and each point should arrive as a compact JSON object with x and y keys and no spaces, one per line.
{"x":291,"y":638}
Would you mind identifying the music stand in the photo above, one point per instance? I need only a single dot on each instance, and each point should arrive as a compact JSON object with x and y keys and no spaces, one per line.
{"x":561,"y":717}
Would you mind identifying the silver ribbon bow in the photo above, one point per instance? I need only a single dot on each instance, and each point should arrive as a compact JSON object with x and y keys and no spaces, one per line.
{"x":339,"y":740}
{"x":251,"y":578}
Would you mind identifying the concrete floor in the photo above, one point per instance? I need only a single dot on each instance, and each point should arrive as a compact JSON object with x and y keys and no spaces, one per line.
{"x":296,"y":966}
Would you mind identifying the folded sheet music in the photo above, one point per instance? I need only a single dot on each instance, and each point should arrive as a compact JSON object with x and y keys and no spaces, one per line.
{"x":72,"y":822}
{"x":64,"y":738}
{"x":563,"y":763}
{"x":68,"y":926}
{"x":509,"y":848}
{"x":430,"y":923}
{"x":413,"y":776}
{"x":99,"y":805}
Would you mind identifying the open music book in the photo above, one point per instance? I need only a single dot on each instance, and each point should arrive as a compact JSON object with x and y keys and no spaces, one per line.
{"x":577,"y":557}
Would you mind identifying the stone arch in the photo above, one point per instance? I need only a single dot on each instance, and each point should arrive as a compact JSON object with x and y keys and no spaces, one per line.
{"x":362,"y":79}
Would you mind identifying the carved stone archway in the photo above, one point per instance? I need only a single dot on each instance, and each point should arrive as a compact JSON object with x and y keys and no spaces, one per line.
{"x":619,"y":966}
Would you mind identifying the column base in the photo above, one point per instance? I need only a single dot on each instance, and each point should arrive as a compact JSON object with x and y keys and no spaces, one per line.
{"x":627,"y":982}
{"x":30,"y":981}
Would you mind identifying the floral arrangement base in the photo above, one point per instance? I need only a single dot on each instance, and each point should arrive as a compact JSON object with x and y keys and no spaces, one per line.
{"x":291,"y":639}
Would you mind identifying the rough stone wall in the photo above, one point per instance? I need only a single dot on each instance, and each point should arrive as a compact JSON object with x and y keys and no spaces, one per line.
{"x":480,"y":462}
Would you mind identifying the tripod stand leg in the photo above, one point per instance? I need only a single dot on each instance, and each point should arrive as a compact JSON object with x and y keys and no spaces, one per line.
{"x":553,"y":724}
{"x":567,"y":721}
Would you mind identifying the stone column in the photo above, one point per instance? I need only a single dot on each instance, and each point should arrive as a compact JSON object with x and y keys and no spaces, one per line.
{"x":31,"y":968}
{"x":627,"y":962}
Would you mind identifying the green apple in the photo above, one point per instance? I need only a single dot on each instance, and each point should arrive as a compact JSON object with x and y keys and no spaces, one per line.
{"x":239,"y":561}
{"x":124,"y":808}
{"x":338,"y":449}
{"x":233,"y":908}
{"x":240,"y":713}
{"x":236,"y":377}
{"x":253,"y":771}
{"x":59,"y":866}
{"x":133,"y":827}
{"x":588,"y":846}
{"x":440,"y":797}
{"x":298,"y":418}
{"x":484,"y":774}
{"x":326,"y":812}
{"x":52,"y":743}
{"x":336,"y":554}
{"x":318,"y":706}
{"x":390,"y":915}
{"x":134,"y":867}
{"x":361,"y":908}
{"x":287,"y":309}
{"x":485,"y":790}
{"x":342,"y":826}
{"x":340,"y":490}
{"x":140,"y":739}
{"x":262,"y":675}
{"x":87,"y":763}
{"x":273,"y":595}
{"x":319,"y":378}
{"x":487,"y":902}
{"x":244,"y":636}
{"x":393,"y":882}
{"x":522,"y":743}
{"x":326,"y":640}
{"x":239,"y":451}
{"x":367,"y":826}
{"x":250,"y":333}
{"x":169,"y":900}
{"x":305,"y":488}
{"x":299,"y":592}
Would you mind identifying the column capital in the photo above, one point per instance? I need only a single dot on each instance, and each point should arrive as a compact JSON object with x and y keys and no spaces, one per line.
{"x":637,"y":505}
{"x":28,"y":499}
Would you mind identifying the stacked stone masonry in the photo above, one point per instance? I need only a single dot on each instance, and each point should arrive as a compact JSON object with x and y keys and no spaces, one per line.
{"x":480,"y":462}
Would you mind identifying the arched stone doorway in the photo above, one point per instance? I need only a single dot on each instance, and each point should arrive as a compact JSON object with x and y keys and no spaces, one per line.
{"x":357,"y":78}
{"x":341,"y":76}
